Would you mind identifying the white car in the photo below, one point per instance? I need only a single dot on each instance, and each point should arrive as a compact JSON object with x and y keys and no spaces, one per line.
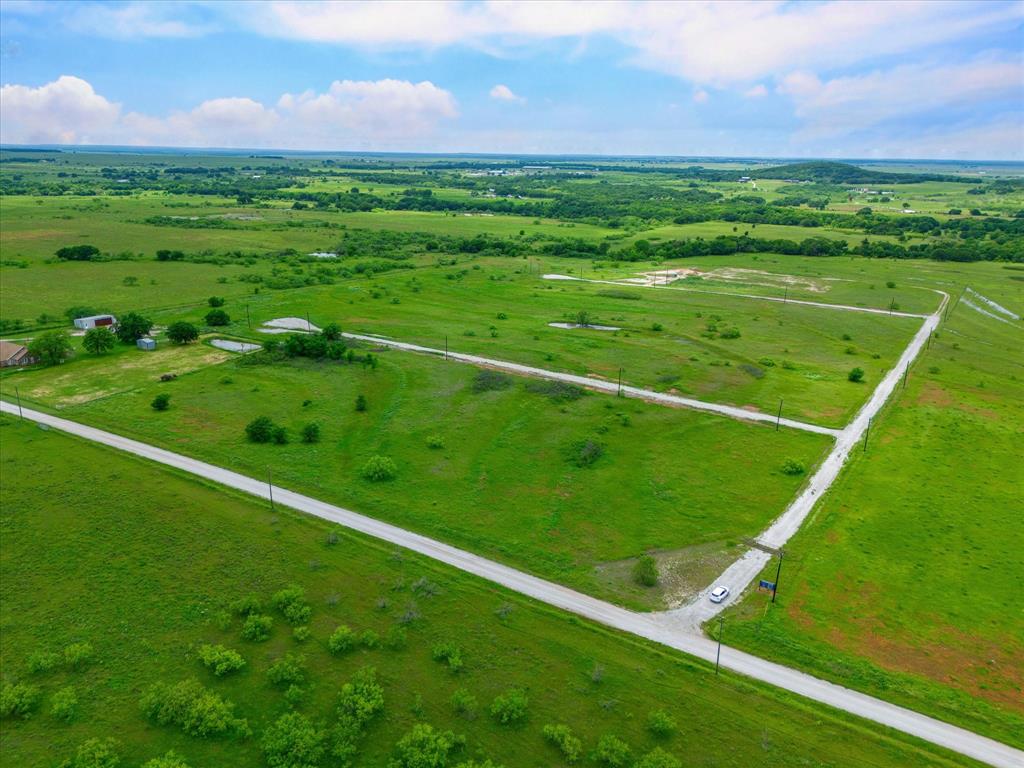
{"x":718,"y":594}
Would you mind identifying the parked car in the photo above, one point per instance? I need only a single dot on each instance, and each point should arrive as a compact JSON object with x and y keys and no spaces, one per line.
{"x":718,"y":594}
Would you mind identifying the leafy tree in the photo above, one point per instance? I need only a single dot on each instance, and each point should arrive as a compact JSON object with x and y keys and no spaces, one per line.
{"x":658,"y":758}
{"x":611,"y":751}
{"x":182,"y":332}
{"x":290,"y":669}
{"x":168,"y":255}
{"x":509,"y":708}
{"x":161,"y":402}
{"x":171,"y":760}
{"x":78,"y":252}
{"x":246,"y":606}
{"x":132,"y":326}
{"x":645,"y":571}
{"x":567,"y":742}
{"x":583,"y":453}
{"x":856,"y":375}
{"x":217,"y":317}
{"x":97,"y":753}
{"x":64,"y":704}
{"x":77,"y":655}
{"x":191,"y":707}
{"x":215,"y":301}
{"x":661,"y":723}
{"x":450,"y":654}
{"x":464,"y":703}
{"x":379,"y":469}
{"x":18,"y":700}
{"x":331,"y":332}
{"x":291,"y":602}
{"x":361,"y":699}
{"x":280,"y":436}
{"x":51,"y":347}
{"x":342,"y":640}
{"x":583,"y":318}
{"x":360,"y":403}
{"x":425,"y":747}
{"x":793,"y":467}
{"x":311,"y":433}
{"x":98,"y":340}
{"x":260,"y":430}
{"x":220,"y":660}
{"x":257,"y":627}
{"x":292,"y":741}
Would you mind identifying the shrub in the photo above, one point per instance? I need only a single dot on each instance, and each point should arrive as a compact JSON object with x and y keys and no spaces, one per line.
{"x":18,"y":700}
{"x":83,"y":252}
{"x":450,"y":654}
{"x":559,"y":391}
{"x":645,"y":571}
{"x":301,"y":634}
{"x":260,"y":430}
{"x":192,"y":708}
{"x":98,"y":340}
{"x":43,"y":661}
{"x":215,"y":301}
{"x":182,"y":332}
{"x":730,"y":333}
{"x":220,"y":660}
{"x":369,"y":639}
{"x":379,"y":469}
{"x":562,"y":737}
{"x":217,"y":317}
{"x":361,"y":699}
{"x":77,"y":655}
{"x":331,"y":332}
{"x":280,"y":436}
{"x":424,"y":747}
{"x":342,"y":640}
{"x":247,"y":605}
{"x":660,"y":723}
{"x":396,"y":638}
{"x":171,"y":760}
{"x":291,"y":602}
{"x":488,"y":380}
{"x":509,"y":708}
{"x":161,"y":402}
{"x":311,"y":433}
{"x":464,"y":703}
{"x":657,"y":327}
{"x":657,"y":758}
{"x":612,"y":752}
{"x":64,"y":704}
{"x":360,"y":403}
{"x":435,"y":442}
{"x":290,"y":669}
{"x":292,"y":741}
{"x":97,"y":753}
{"x":132,"y":326}
{"x":856,"y":375}
{"x":793,"y":467}
{"x":257,"y":627}
{"x":584,"y":453}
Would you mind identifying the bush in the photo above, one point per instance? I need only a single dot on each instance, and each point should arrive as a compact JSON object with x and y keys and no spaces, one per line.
{"x":292,"y":741}
{"x":280,"y":436}
{"x":78,"y":252}
{"x":43,"y":661}
{"x":435,"y":442}
{"x":217,"y":317}
{"x":562,"y":737}
{"x":397,"y":638}
{"x":360,"y":403}
{"x":257,"y":627}
{"x":244,"y":606}
{"x":660,"y":723}
{"x":856,"y":375}
{"x":657,"y":758}
{"x":730,"y":333}
{"x":98,"y":340}
{"x":611,"y":751}
{"x":171,"y":760}
{"x":793,"y":467}
{"x":424,"y":747}
{"x":584,"y":453}
{"x":64,"y":704}
{"x":18,"y":700}
{"x":559,"y":391}
{"x":291,"y":602}
{"x":161,"y":402}
{"x":488,"y":381}
{"x":132,"y":326}
{"x":97,"y":753}
{"x":361,"y":699}
{"x":311,"y":433}
{"x":379,"y":469}
{"x":182,"y":332}
{"x":301,"y":634}
{"x":450,"y":654}
{"x":645,"y":571}
{"x":342,"y":640}
{"x":192,"y":708}
{"x":331,"y":332}
{"x":215,"y":301}
{"x":260,"y":430}
{"x":464,"y":703}
{"x":657,"y":327}
{"x":220,"y":660}
{"x":509,"y":708}
{"x":290,"y":669}
{"x":77,"y":655}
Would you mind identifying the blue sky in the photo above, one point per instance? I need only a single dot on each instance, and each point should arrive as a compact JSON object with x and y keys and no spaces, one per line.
{"x":830,"y":79}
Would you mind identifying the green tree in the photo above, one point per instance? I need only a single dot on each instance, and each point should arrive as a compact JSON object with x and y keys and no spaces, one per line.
{"x":360,"y":403}
{"x":379,"y":469}
{"x":611,"y":751}
{"x":182,"y":332}
{"x":425,"y":747}
{"x":645,"y":571}
{"x":260,"y":430}
{"x":658,"y":758}
{"x":311,"y":433}
{"x":292,"y":741}
{"x":565,"y":740}
{"x":64,"y":704}
{"x":661,"y":723}
{"x":509,"y":708}
{"x":856,"y":375}
{"x":331,"y":332}
{"x":215,"y":301}
{"x":132,"y":326}
{"x":98,"y":340}
{"x":97,"y":753}
{"x":51,"y":347}
{"x":217,"y":317}
{"x":161,"y":402}
{"x":171,"y":760}
{"x":78,"y":252}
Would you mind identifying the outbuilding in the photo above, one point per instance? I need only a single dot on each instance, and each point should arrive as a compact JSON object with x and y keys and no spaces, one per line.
{"x":95,"y":321}
{"x":146,"y":343}
{"x":12,"y":354}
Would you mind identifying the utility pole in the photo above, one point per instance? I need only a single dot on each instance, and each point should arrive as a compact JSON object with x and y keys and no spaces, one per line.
{"x":778,"y":572}
{"x":270,"y":489}
{"x":866,"y":433}
{"x":718,"y":656}
{"x":778,"y":419}
{"x":445,"y":347}
{"x":248,"y":321}
{"x":905,"y":371}
{"x":785,"y":296}
{"x":619,"y":393}
{"x":309,"y":327}
{"x":892,"y":305}
{"x":18,"y":395}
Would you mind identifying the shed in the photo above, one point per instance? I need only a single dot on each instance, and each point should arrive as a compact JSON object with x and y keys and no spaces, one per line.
{"x":95,"y":321}
{"x":12,"y":354}
{"x":146,"y":343}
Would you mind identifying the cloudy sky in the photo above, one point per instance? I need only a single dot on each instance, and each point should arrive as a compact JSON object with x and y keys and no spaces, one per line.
{"x":784,"y":79}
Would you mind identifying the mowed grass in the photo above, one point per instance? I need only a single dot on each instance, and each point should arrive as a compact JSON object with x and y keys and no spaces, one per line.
{"x":906,"y":582}
{"x":143,"y":563}
{"x":798,"y":354}
{"x":504,"y":483}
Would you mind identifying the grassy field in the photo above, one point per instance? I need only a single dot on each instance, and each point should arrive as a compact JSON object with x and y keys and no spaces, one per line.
{"x":146,"y":578}
{"x":505,"y":481}
{"x":905,"y":583}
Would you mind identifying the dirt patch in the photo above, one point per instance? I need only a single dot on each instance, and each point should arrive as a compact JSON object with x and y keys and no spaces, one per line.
{"x":935,"y":395}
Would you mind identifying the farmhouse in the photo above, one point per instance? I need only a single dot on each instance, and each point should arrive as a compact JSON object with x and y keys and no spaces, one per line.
{"x":95,"y":321}
{"x":12,"y":354}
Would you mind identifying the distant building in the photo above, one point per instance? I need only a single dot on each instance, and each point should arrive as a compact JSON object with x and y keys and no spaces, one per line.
{"x":95,"y":321}
{"x":744,"y":179}
{"x":12,"y":354}
{"x":146,"y":343}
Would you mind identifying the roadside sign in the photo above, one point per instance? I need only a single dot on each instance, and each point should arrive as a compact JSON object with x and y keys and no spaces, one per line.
{"x":766,"y":586}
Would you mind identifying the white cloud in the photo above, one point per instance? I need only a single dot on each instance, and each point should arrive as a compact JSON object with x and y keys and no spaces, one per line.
{"x":382,"y":114}
{"x":700,"y":96}
{"x":136,"y":20}
{"x":504,"y":93}
{"x":757,"y":92}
